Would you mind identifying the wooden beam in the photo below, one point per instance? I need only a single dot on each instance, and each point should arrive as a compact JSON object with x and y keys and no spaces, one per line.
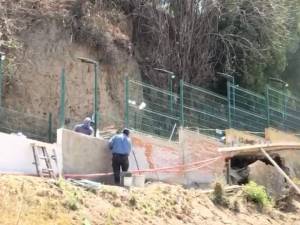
{"x":280,"y":170}
{"x":256,"y":148}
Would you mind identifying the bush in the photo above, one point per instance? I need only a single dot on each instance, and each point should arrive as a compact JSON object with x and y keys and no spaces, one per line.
{"x":218,"y":195}
{"x":257,"y":194}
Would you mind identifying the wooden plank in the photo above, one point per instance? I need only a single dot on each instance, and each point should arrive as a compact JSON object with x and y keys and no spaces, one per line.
{"x":280,"y":170}
{"x":256,"y":148}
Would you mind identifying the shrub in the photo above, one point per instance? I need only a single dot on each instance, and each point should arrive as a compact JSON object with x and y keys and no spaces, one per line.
{"x":257,"y":194}
{"x":218,"y":195}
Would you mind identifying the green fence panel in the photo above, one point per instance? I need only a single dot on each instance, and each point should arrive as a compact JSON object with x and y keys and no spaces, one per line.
{"x":156,"y":111}
{"x":33,"y":127}
{"x":204,"y":109}
{"x":284,"y":110}
{"x":149,"y":109}
{"x":248,"y":110}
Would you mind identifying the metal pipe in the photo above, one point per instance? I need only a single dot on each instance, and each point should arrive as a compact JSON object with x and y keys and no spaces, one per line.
{"x":181,"y":104}
{"x":90,"y":61}
{"x":171,"y":76}
{"x":126,"y":102}
{"x":2,"y":57}
{"x":95,"y":99}
{"x":62,"y":99}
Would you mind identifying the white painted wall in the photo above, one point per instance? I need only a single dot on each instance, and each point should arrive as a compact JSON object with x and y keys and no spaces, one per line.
{"x":16,"y":155}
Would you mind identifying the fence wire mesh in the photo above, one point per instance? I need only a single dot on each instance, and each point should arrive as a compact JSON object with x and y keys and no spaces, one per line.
{"x":284,"y":110}
{"x":31,"y":126}
{"x":204,"y":109}
{"x":152,"y":110}
{"x":248,"y":110}
{"x":208,"y":112}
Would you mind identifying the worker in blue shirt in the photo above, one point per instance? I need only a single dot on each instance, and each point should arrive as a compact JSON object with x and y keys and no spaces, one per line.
{"x":120,"y":145}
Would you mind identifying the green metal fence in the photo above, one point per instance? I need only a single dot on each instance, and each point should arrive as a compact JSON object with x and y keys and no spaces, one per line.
{"x":283,"y":110}
{"x":204,"y":109}
{"x":208,"y":112}
{"x":151,"y":110}
{"x":31,"y":126}
{"x":248,"y":110}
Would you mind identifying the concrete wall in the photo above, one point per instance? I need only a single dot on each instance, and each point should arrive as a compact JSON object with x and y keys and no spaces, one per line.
{"x":153,"y":153}
{"x":88,"y":155}
{"x":17,"y":155}
{"x":198,"y":148}
{"x":83,"y":154}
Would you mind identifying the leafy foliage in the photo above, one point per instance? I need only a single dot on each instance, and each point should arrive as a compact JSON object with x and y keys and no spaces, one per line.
{"x":257,"y":194}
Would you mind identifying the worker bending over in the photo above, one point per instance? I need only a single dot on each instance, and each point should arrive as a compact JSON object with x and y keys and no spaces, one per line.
{"x":120,"y":146}
{"x":85,"y":127}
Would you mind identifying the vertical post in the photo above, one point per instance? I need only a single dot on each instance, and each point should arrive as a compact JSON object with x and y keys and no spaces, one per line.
{"x":268,"y":105}
{"x":1,"y":79}
{"x":95,"y":99}
{"x":228,"y":169}
{"x":285,"y":101}
{"x":181,"y":104}
{"x":50,"y":128}
{"x":229,"y":103}
{"x":171,"y":96}
{"x":127,"y":103}
{"x":62,"y":99}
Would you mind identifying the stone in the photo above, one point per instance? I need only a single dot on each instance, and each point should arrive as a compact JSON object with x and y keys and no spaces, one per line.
{"x":269,"y":177}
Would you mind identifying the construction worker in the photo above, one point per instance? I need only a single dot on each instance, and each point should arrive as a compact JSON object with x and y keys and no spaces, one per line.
{"x":120,"y":145}
{"x":85,"y":127}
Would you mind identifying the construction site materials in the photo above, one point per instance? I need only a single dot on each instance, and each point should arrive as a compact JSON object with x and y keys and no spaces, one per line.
{"x":280,"y":170}
{"x":256,"y":148}
{"x":40,"y":154}
{"x":127,"y":181}
{"x":139,"y":180}
{"x":86,"y":184}
{"x":135,"y":159}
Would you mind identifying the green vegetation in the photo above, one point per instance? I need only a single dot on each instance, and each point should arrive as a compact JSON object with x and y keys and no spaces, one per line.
{"x":257,"y":194}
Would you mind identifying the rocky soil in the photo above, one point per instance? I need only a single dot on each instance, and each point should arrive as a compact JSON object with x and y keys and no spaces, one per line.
{"x":35,"y":201}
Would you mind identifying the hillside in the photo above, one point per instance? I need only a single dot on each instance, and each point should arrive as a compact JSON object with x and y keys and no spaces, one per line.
{"x":40,"y":38}
{"x":34,"y":201}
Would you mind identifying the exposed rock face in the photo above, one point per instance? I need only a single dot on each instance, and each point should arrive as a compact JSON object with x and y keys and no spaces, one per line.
{"x":269,"y":177}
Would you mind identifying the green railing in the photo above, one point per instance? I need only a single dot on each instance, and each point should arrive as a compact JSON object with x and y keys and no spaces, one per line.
{"x":208,"y":112}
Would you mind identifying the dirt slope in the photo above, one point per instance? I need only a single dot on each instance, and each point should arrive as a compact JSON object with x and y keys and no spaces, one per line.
{"x":41,"y":37}
{"x":34,"y":201}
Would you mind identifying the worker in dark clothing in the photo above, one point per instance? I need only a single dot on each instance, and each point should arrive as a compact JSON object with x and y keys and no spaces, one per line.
{"x":120,"y":146}
{"x":85,"y":127}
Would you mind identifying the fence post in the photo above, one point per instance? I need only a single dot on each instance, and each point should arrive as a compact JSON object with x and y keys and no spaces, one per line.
{"x":126,"y":114}
{"x":62,"y":99}
{"x":50,"y":128}
{"x":1,"y":78}
{"x":268,"y":105}
{"x":229,"y":102}
{"x":181,"y":103}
